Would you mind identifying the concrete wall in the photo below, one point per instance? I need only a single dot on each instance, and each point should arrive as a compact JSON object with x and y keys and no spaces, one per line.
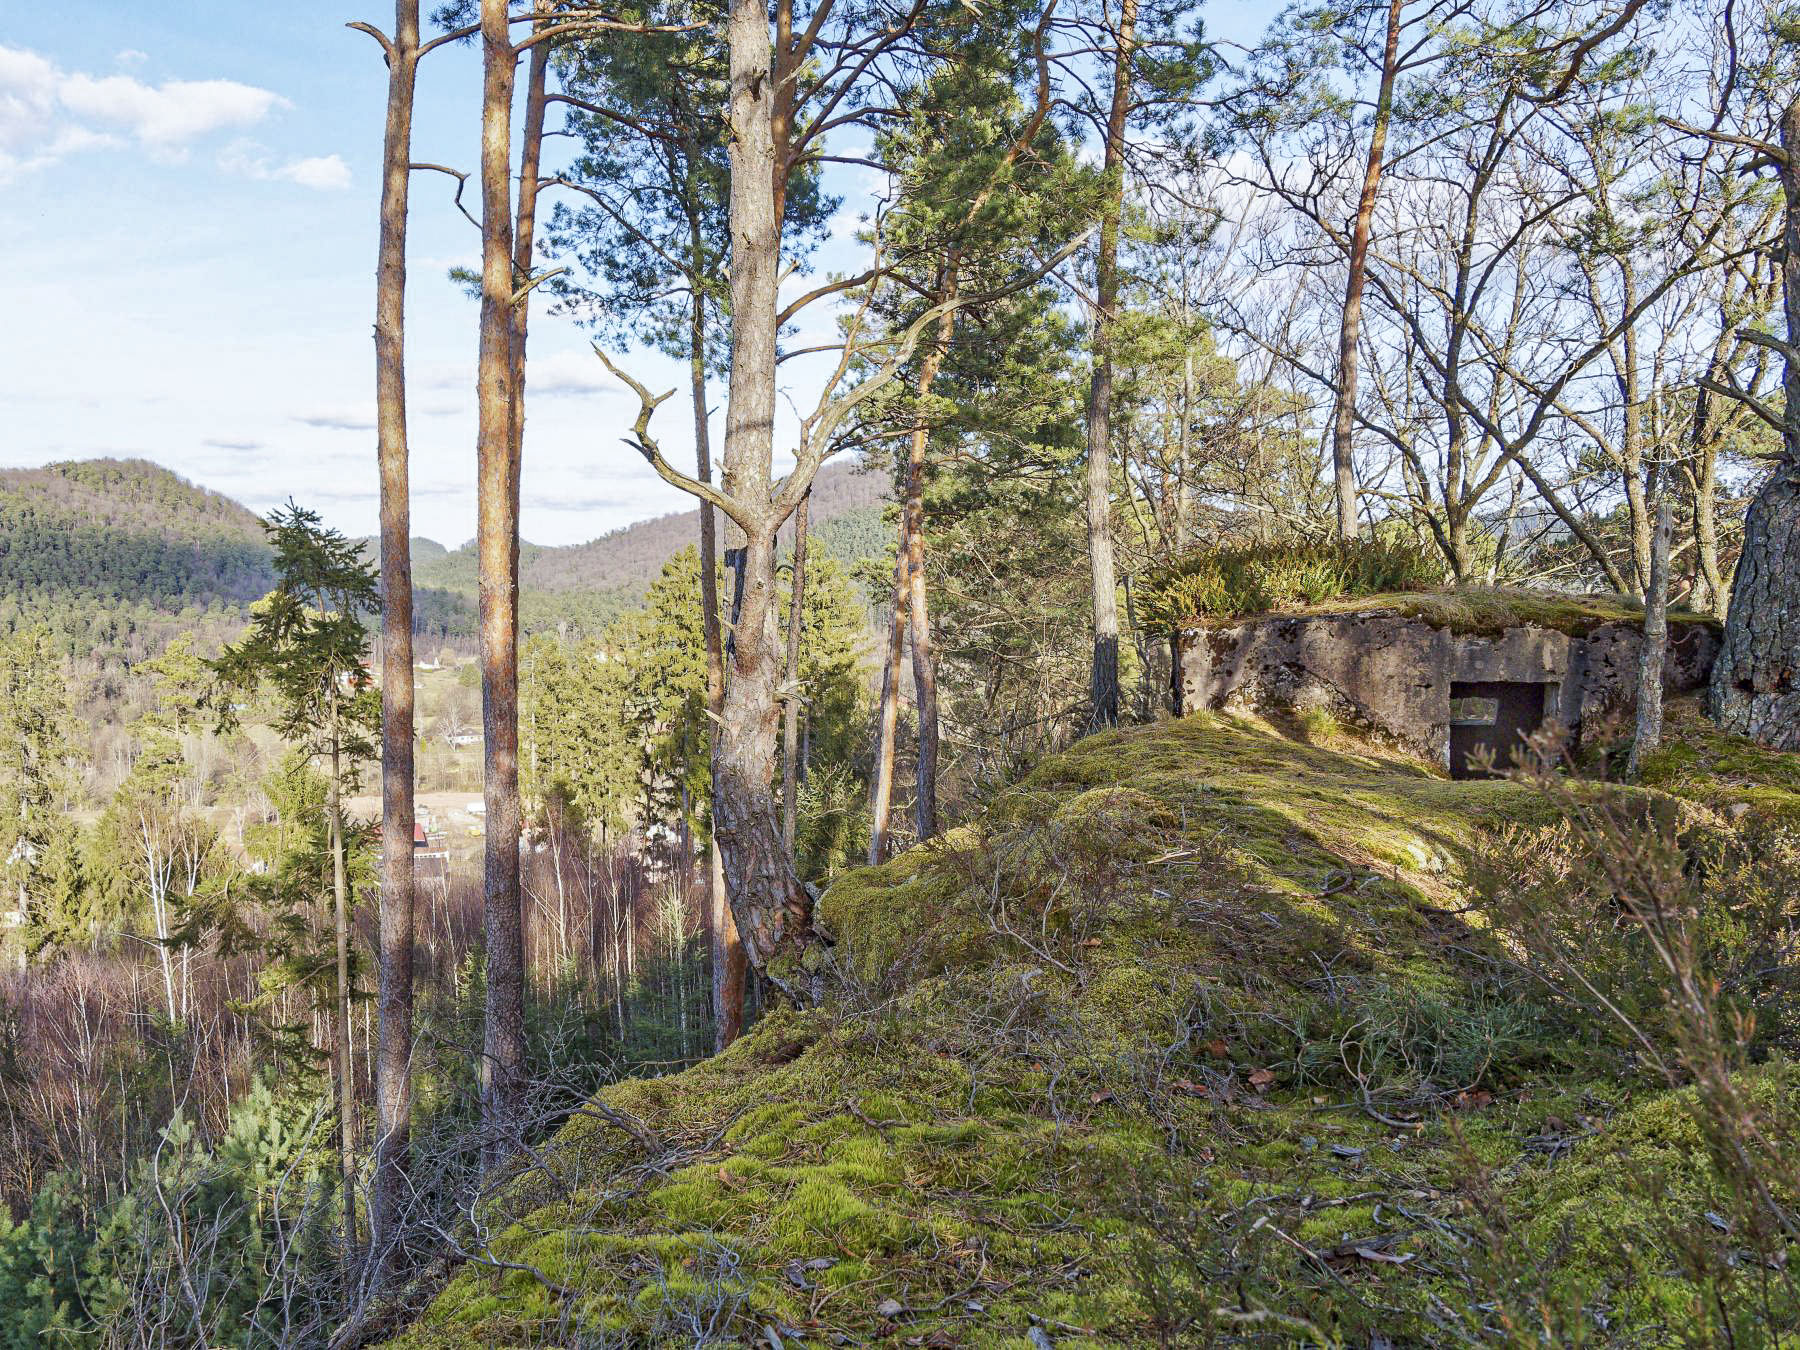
{"x":1391,"y":675}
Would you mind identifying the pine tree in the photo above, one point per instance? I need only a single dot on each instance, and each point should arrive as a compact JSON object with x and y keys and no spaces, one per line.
{"x":308,"y":646}
{"x":39,"y":760}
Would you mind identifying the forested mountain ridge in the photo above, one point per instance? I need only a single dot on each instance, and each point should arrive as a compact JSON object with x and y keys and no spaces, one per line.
{"x":111,"y":552}
{"x":845,"y":514}
{"x":587,"y":586}
{"x":117,"y":555}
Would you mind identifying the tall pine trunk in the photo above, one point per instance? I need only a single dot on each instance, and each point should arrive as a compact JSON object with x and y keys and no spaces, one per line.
{"x":1343,"y":464}
{"x":1756,"y":679}
{"x":394,"y":1032}
{"x":773,"y":911}
{"x":497,"y":530}
{"x":340,"y":1028}
{"x":924,"y":655}
{"x":1103,"y":693}
{"x":1648,"y":731}
{"x":727,"y":947}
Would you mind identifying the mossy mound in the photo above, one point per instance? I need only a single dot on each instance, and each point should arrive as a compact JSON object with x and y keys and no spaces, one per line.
{"x":1487,"y":611}
{"x":1743,"y":780}
{"x":1193,"y":1034}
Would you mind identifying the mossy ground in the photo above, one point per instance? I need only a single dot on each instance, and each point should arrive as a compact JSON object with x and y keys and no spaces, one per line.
{"x":1193,"y":1034}
{"x":1727,"y":773}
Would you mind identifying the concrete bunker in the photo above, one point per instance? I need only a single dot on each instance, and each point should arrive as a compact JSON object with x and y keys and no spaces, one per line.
{"x":1465,"y":698}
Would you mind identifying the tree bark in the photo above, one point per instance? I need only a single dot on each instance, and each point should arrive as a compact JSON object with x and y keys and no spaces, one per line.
{"x":773,"y":911}
{"x":394,"y":1031}
{"x":531,"y":145}
{"x":727,"y":947}
{"x":790,"y":731}
{"x":1343,"y":463}
{"x":1756,"y":679}
{"x":340,"y":1031}
{"x":887,"y":724}
{"x":924,"y":657}
{"x":1648,"y":734}
{"x":1103,"y":693}
{"x":503,"y":1038}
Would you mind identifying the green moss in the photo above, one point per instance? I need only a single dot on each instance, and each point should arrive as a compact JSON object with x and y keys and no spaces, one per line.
{"x":1136,"y":1005}
{"x":1488,"y":611}
{"x":1727,"y":773}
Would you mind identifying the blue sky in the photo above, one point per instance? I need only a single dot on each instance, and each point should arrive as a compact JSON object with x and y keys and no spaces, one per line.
{"x":188,"y":270}
{"x":187,"y":242}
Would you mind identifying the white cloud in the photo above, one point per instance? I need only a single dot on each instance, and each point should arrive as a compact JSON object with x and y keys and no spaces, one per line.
{"x":131,"y":56}
{"x":164,"y":118}
{"x":568,"y":372}
{"x":337,"y":419}
{"x":47,"y":113}
{"x":321,"y":173}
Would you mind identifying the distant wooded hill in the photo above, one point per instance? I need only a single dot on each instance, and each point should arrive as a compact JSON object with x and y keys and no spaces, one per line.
{"x":587,"y":585}
{"x":847,"y":505}
{"x":117,"y":556}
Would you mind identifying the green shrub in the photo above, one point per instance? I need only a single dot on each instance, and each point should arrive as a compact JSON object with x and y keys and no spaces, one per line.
{"x":1227,"y":583}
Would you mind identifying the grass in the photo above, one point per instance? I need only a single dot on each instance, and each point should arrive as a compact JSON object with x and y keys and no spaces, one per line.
{"x":1492,"y":610}
{"x":1230,"y":582}
{"x":1193,"y":1034}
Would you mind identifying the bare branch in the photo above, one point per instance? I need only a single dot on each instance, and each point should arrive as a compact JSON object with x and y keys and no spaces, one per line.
{"x":1733,"y":390}
{"x":387,"y":45}
{"x":641,"y":441}
{"x":462,"y":181}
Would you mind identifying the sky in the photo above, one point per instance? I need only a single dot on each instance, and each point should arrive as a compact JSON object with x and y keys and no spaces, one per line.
{"x":188,"y":193}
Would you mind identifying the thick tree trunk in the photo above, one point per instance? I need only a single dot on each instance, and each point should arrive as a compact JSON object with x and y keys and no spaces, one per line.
{"x":394,"y":1030}
{"x":773,"y":911}
{"x":503,"y":1039}
{"x":1756,"y":679}
{"x":1343,"y":423}
{"x":1103,"y":690}
{"x":790,"y":730}
{"x":924,"y":655}
{"x":1648,"y":733}
{"x":887,"y":721}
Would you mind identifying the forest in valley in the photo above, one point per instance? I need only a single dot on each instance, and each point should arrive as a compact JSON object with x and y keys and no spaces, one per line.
{"x":829,"y":915}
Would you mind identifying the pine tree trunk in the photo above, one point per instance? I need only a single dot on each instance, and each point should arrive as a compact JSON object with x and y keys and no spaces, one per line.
{"x":790,"y":731}
{"x":924,"y":656}
{"x":727,"y":947}
{"x":1343,"y":462}
{"x":340,"y":1031}
{"x":1756,"y":678}
{"x":393,"y":1057}
{"x":503,"y":1039}
{"x":773,"y":911}
{"x":1103,"y":689}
